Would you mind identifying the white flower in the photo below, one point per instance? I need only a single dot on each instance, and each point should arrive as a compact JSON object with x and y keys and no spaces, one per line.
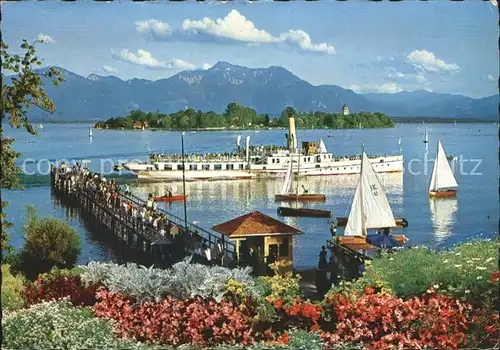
{"x":479,"y":277}
{"x":436,"y":286}
{"x":444,"y":262}
{"x":457,"y":254}
{"x":481,"y":268}
{"x":489,"y":260}
{"x":457,"y":266}
{"x":467,"y":291}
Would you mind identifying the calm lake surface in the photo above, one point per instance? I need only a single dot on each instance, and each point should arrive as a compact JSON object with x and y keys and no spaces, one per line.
{"x":443,"y":222}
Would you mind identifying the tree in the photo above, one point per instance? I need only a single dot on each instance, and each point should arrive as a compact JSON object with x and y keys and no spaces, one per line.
{"x":48,"y":242}
{"x":25,"y":90}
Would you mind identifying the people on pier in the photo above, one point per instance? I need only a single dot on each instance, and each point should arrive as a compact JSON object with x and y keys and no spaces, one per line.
{"x":154,"y":223}
{"x":333,"y":229}
{"x":127,"y":190}
{"x":322,"y":258}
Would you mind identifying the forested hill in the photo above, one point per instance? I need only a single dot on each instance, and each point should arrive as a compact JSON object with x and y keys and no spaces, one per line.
{"x":240,"y":117}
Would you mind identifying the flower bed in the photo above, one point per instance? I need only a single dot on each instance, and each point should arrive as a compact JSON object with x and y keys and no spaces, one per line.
{"x":196,"y":305}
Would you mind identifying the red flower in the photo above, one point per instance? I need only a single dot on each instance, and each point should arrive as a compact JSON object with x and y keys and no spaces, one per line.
{"x":491,"y":329}
{"x":495,"y":277}
{"x":283,"y":339}
{"x":278,"y":303}
{"x":369,"y":290}
{"x":268,"y":333}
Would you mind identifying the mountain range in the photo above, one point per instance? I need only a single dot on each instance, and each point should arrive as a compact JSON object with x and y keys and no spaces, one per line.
{"x":268,"y":90}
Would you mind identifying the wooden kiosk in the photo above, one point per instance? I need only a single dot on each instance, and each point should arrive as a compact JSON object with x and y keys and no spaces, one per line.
{"x":263,"y":237}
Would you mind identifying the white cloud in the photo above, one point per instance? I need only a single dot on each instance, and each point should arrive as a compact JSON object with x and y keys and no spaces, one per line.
{"x":152,"y":26}
{"x":397,"y":75}
{"x":206,"y":66}
{"x":108,"y":69}
{"x":180,"y":64}
{"x":303,"y":40}
{"x":233,"y":27}
{"x":419,"y":78}
{"x":390,"y":88}
{"x":144,"y":58}
{"x":45,"y":39}
{"x":427,"y":61}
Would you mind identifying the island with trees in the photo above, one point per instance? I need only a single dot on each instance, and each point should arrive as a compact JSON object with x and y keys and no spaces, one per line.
{"x":239,"y":117}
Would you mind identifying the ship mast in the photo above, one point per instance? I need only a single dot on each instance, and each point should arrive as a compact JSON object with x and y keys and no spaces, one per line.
{"x":292,"y":138}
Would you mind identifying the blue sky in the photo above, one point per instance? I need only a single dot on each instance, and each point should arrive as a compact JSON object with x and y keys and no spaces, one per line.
{"x":368,"y":47}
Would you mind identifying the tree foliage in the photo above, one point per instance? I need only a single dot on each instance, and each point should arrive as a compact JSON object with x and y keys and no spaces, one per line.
{"x":241,"y":117}
{"x":23,"y":90}
{"x":49,"y":242}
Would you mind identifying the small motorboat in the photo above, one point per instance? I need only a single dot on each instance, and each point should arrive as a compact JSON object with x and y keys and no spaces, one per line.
{"x":362,"y":242}
{"x":400,"y":222}
{"x":303,"y":212}
{"x":170,"y":199}
{"x":287,"y":195}
{"x":300,"y":197}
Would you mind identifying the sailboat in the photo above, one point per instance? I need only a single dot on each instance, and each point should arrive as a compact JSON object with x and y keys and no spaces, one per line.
{"x":90,"y":132}
{"x":443,"y":181}
{"x":40,"y":126}
{"x":455,"y":122}
{"x":286,"y":189}
{"x":426,"y":136}
{"x":370,"y":209}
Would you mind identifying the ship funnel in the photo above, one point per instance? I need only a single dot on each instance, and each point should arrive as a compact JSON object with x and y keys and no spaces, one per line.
{"x":292,"y":139}
{"x":247,"y":148}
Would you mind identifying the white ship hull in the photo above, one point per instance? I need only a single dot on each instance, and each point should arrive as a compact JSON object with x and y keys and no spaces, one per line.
{"x":386,"y":164}
{"x":137,"y":167}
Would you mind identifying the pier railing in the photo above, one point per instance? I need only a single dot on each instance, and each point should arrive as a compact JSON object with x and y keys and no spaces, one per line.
{"x":208,"y":238}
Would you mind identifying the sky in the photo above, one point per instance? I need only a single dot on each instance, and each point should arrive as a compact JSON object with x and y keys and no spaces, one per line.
{"x":439,"y":46}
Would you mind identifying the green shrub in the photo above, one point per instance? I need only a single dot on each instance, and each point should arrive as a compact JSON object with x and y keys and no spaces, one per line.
{"x":48,"y":242}
{"x":463,"y":271}
{"x":12,"y":287}
{"x":60,"y":325}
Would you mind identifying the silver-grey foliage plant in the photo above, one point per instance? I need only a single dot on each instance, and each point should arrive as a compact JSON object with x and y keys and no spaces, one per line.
{"x":183,"y":280}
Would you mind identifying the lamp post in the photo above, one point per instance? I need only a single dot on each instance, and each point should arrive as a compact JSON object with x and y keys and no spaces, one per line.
{"x":184,"y":180}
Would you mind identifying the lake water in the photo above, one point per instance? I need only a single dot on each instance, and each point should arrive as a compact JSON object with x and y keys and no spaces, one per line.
{"x":443,"y":222}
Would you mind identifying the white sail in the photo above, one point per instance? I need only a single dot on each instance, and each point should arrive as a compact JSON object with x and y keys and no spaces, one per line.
{"x":370,"y":207}
{"x":90,"y":132}
{"x":322,"y":147}
{"x":442,"y":177}
{"x":426,"y":137}
{"x":354,"y":225}
{"x":238,"y":140}
{"x":287,"y":183}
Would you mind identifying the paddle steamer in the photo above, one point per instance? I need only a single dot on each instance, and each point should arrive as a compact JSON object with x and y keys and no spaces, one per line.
{"x":260,"y":162}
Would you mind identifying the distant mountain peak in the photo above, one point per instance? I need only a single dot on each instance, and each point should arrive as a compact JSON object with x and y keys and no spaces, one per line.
{"x":95,"y":77}
{"x":222,"y":65}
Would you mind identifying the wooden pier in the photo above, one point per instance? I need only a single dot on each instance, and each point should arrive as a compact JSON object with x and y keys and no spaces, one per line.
{"x":177,"y":242}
